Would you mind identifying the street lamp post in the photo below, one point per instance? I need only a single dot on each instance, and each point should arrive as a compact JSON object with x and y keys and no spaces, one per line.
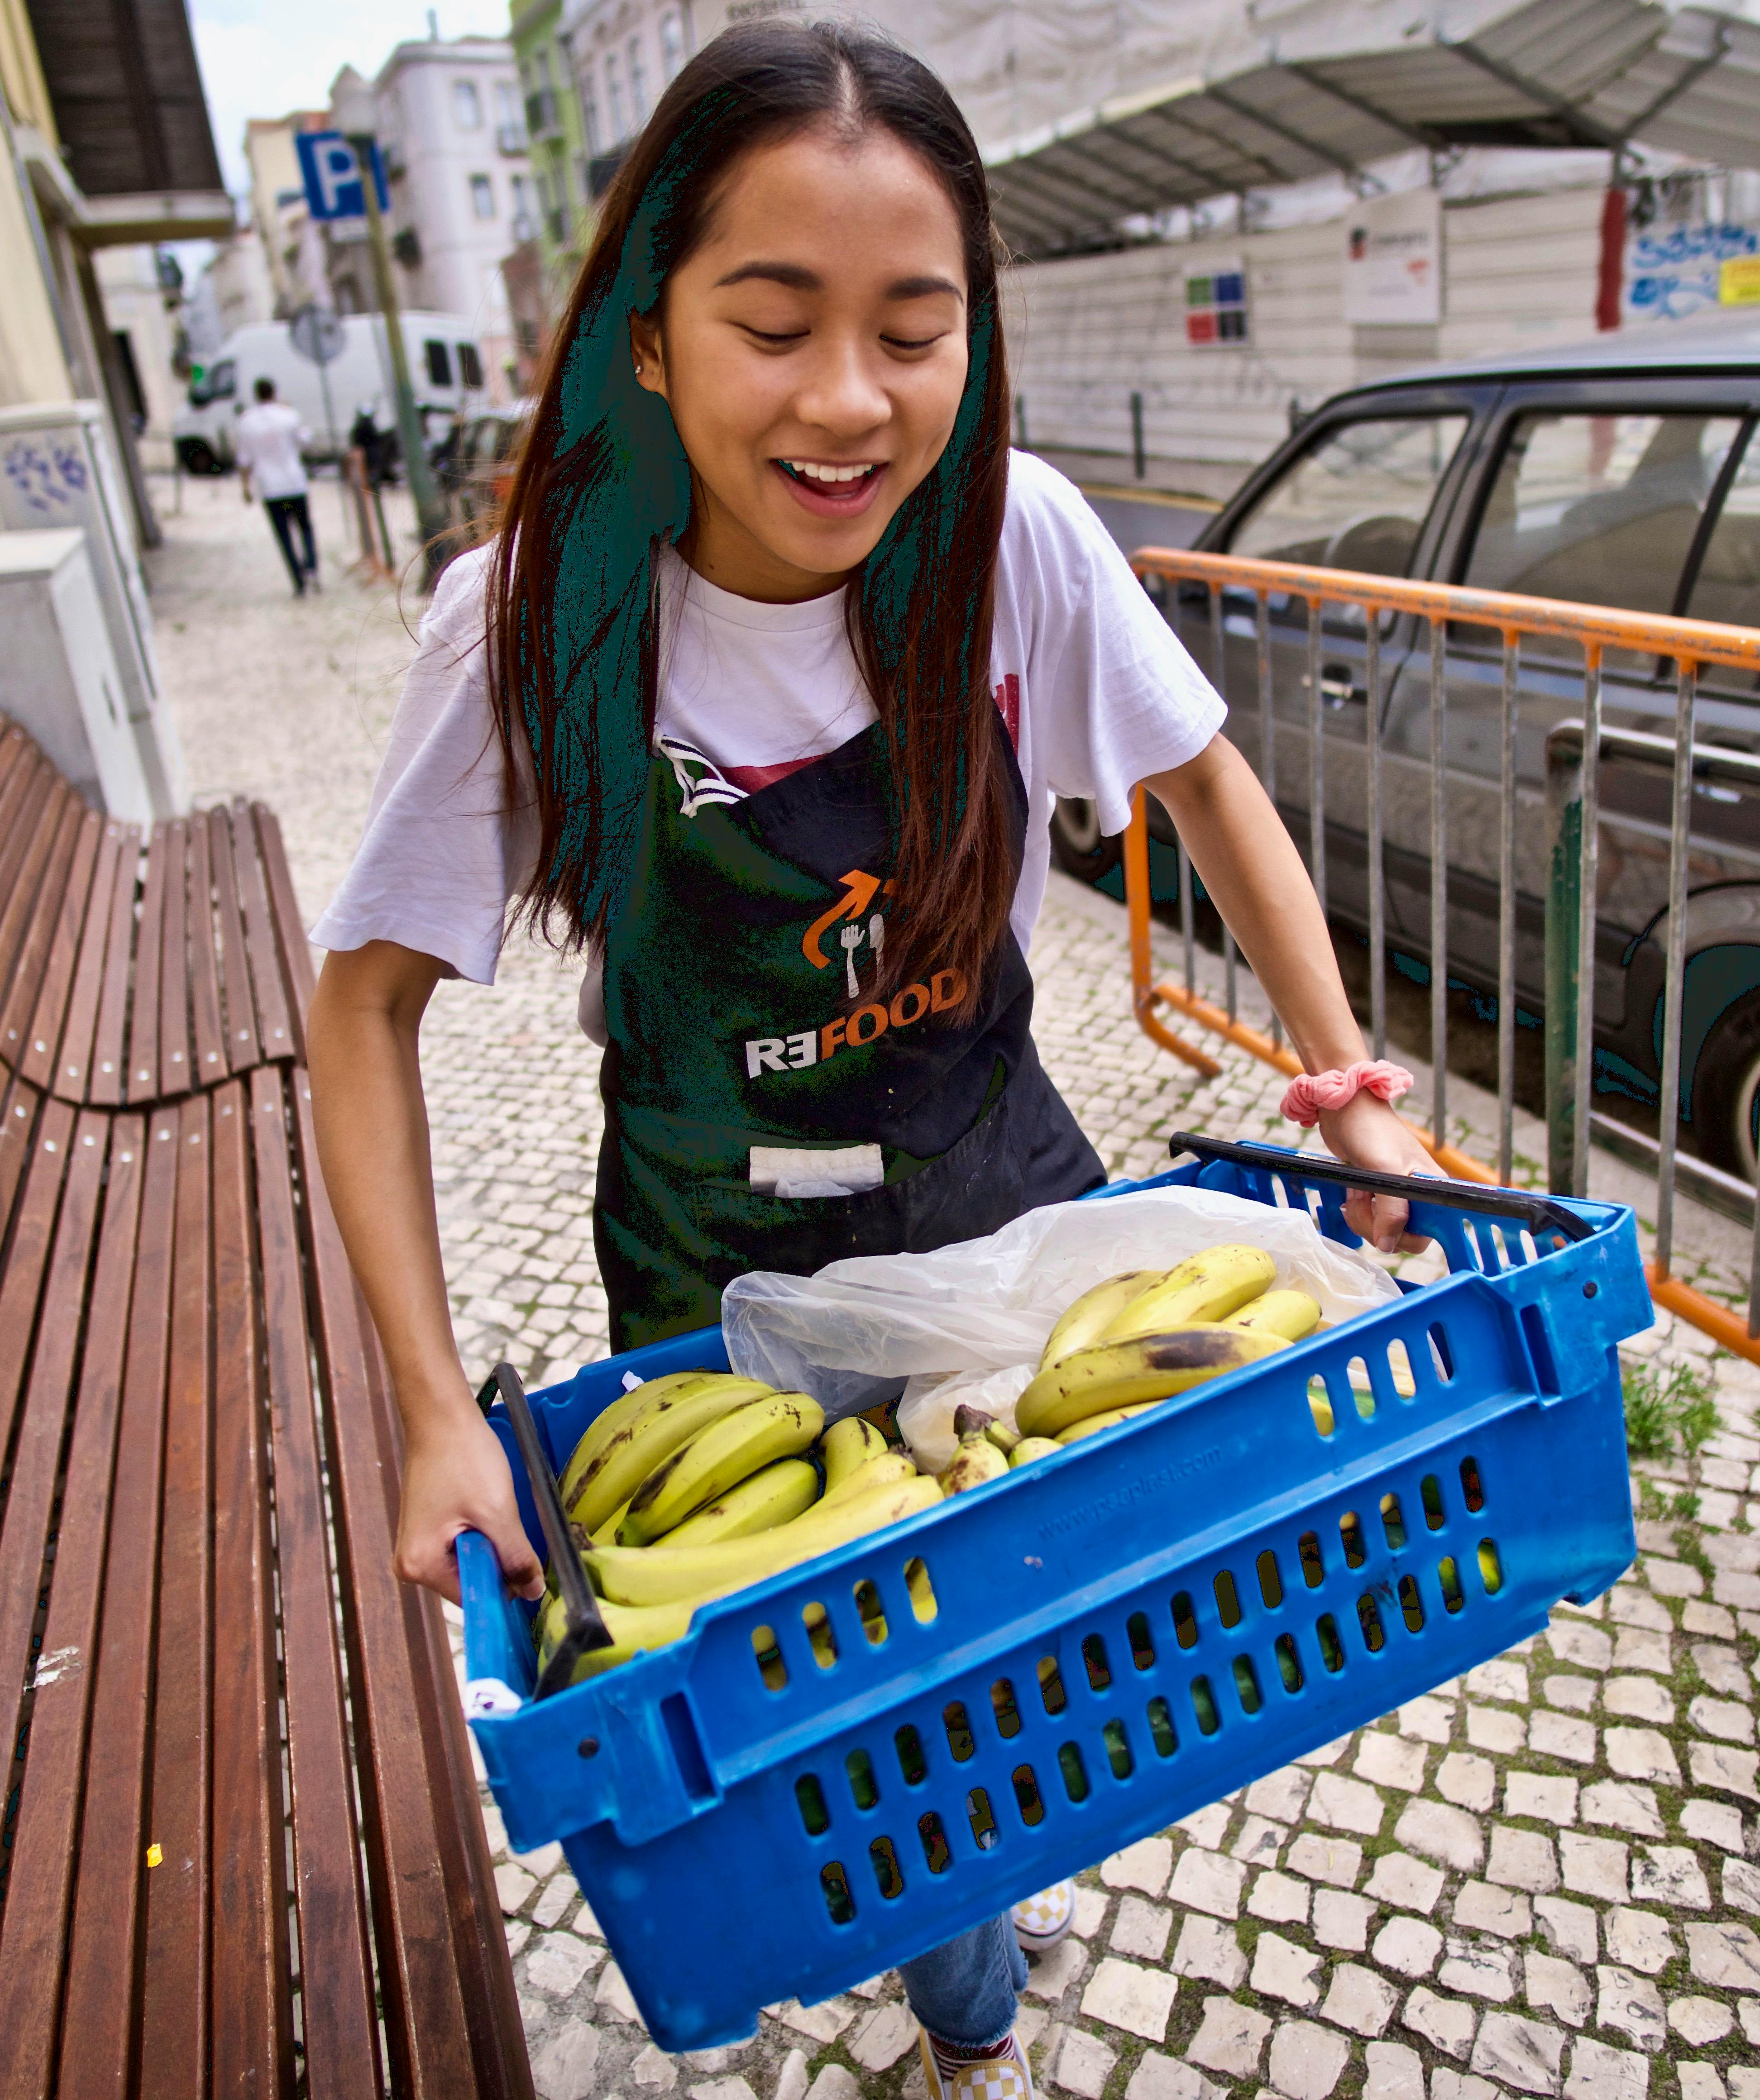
{"x":353,"y":112}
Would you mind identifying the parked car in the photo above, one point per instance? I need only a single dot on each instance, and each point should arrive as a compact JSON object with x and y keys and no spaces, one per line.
{"x":479,"y":471}
{"x":1623,"y":472}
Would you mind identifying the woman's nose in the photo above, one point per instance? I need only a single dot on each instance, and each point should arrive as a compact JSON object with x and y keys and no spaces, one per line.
{"x":842,"y":393}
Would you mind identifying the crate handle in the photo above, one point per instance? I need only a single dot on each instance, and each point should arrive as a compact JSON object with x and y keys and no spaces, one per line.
{"x":587,"y":1629}
{"x":1538,"y":1213}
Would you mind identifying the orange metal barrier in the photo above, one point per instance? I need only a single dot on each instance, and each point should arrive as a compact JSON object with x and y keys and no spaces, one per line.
{"x":1690,"y":644}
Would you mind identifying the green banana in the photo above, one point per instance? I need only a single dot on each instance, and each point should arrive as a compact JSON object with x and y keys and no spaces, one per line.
{"x":885,"y":1471}
{"x":848,"y":1445}
{"x":1002,"y":1436}
{"x":661,"y":1426}
{"x":1114,"y":1374}
{"x":674,"y":1574}
{"x":1086,"y":1320}
{"x":1292,"y":1314}
{"x":634,"y":1631}
{"x":1030,"y":1448}
{"x":728,"y":1451}
{"x":1091,"y":1425}
{"x":1204,"y":1287}
{"x":777,"y":1494}
{"x":612,"y":1417}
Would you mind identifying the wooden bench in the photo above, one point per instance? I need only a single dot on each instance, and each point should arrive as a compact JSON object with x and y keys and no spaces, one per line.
{"x":242,"y":1849}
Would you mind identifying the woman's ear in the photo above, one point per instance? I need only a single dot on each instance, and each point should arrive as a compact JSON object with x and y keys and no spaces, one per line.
{"x":644,"y":353}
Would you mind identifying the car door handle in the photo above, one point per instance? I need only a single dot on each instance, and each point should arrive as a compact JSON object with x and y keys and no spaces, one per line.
{"x":1337,"y":689}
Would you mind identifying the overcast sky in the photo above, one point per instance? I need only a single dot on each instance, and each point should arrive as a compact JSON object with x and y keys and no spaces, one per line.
{"x":262,"y":58}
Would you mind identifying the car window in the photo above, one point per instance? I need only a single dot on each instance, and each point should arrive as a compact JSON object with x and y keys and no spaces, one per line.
{"x":1727,"y":586}
{"x":439,"y":360}
{"x":1355,"y":500}
{"x":1599,"y":508}
{"x":469,"y":366}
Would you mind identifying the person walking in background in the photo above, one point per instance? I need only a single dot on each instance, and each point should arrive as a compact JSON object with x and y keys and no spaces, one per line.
{"x":269,"y":440}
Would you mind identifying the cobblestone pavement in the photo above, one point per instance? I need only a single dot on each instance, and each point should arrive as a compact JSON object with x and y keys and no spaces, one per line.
{"x":1539,"y":1879}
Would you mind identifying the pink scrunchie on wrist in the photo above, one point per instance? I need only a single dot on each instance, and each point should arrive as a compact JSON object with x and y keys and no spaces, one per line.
{"x":1310,"y":1093}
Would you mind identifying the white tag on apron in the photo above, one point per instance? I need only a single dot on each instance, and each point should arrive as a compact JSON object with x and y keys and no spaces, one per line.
{"x":788,"y":1171}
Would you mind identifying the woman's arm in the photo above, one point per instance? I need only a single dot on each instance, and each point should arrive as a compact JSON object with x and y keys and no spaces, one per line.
{"x":362,"y":1038}
{"x":1252,"y":870}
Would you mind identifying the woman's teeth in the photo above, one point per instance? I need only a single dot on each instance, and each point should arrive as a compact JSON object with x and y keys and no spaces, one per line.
{"x":808,"y":472}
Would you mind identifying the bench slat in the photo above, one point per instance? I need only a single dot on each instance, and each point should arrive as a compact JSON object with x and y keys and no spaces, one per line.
{"x":33,"y":1927}
{"x":242,"y":1050}
{"x":175,"y":1074}
{"x":98,"y":2018}
{"x":109,"y":1051}
{"x":28,"y":1258}
{"x":15,"y":747}
{"x":19,"y":917}
{"x":72,"y":1071}
{"x":23,"y":798}
{"x":143,"y":1050}
{"x":18,"y":1119}
{"x":451,"y":2018}
{"x":292,"y":946}
{"x":340,"y":2031}
{"x":40,"y":1060}
{"x":274,"y":1022}
{"x":209,"y":1048}
{"x":250,"y":2037}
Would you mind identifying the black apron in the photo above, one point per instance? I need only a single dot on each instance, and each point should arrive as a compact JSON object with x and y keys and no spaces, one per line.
{"x":734,"y":982}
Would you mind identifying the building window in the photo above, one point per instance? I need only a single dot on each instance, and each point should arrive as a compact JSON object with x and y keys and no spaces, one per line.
{"x":614,"y":90}
{"x":589,"y":113}
{"x":481,"y":196}
{"x":671,"y":43}
{"x":467,"y":106}
{"x":523,"y":224}
{"x":638,"y":84}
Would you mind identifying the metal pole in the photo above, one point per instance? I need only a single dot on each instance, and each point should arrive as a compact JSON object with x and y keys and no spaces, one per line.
{"x":1268,"y":739}
{"x":430,"y":515}
{"x":1378,"y":908}
{"x":1138,"y":457}
{"x":1218,"y":650}
{"x":1564,"y":863}
{"x":1317,"y":761}
{"x":1584,"y":1074}
{"x":1669,"y":1108}
{"x":1439,"y":880}
{"x":1507,"y":915}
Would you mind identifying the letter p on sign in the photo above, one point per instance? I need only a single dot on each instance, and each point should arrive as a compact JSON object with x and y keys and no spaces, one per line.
{"x":331,"y":176}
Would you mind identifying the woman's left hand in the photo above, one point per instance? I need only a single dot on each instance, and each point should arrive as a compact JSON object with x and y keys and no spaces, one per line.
{"x":1366,"y":1132}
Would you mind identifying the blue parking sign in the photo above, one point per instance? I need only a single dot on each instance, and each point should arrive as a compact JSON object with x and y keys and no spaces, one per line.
{"x":332,"y":174}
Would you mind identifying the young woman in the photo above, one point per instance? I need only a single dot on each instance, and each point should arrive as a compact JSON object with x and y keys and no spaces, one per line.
{"x":761,"y":697}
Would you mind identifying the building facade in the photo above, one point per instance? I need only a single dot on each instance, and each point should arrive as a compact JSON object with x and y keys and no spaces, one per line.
{"x":550,"y":237}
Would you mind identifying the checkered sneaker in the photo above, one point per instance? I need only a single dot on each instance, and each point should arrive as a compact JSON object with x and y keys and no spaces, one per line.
{"x":1041,"y":1921}
{"x":1005,"y":2077}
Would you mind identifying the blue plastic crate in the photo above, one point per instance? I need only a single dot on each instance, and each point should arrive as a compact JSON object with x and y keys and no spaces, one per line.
{"x":1117,"y":1635}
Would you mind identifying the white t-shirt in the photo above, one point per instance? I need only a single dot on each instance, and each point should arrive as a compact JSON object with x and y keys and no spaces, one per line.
{"x":268,"y":439}
{"x":1097,"y":691}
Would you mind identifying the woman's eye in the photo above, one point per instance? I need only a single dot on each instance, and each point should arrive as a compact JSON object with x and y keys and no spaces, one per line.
{"x":781,"y":338}
{"x":910,"y":342}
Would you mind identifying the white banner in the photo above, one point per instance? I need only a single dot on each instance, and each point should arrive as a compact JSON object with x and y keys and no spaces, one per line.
{"x":1393,"y":258}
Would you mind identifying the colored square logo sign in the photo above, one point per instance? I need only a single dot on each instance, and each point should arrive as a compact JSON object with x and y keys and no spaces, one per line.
{"x":1216,"y":306}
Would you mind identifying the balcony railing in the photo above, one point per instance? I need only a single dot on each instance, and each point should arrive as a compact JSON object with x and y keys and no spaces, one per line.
{"x":541,"y":118}
{"x":511,"y":139}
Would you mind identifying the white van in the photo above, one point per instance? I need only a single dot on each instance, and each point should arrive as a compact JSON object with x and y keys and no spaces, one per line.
{"x":445,"y":371}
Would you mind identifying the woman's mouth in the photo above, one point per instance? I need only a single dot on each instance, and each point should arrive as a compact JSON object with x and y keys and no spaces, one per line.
{"x":831,"y":488}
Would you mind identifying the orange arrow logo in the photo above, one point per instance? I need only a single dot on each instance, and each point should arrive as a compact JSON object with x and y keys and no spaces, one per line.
{"x":858,"y":893}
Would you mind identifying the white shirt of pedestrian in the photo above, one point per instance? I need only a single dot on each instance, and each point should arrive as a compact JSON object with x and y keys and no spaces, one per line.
{"x":269,"y":438}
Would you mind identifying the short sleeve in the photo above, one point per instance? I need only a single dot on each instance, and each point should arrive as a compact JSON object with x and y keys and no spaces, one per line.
{"x":1113,"y":695}
{"x":442,"y":852}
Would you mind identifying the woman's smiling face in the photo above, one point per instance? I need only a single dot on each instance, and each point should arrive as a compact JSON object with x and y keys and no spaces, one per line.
{"x":812,"y":352}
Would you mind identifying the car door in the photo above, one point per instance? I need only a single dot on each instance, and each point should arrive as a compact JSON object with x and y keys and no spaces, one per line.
{"x":1597,"y":492}
{"x":1363,"y":488}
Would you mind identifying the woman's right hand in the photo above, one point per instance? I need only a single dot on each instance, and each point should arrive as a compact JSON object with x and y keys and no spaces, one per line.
{"x":456,"y":1478}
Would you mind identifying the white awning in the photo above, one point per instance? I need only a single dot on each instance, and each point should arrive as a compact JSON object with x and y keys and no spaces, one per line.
{"x":1289,"y":90}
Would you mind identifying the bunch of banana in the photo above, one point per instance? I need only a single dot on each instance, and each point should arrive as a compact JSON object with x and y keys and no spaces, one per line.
{"x":1143,"y":1337}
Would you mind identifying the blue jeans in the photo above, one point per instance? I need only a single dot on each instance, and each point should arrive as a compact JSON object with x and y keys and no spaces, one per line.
{"x":968,"y":1991}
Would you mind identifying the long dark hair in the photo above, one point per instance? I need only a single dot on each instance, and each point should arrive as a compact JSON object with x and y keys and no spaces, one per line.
{"x":603,"y":484}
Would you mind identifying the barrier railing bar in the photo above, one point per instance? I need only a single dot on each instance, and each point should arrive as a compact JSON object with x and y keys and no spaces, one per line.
{"x":1506,"y":912}
{"x":1316,"y":760}
{"x":1220,"y":651}
{"x":1582,"y":1076}
{"x":1668,"y":1108}
{"x":1439,"y":878}
{"x":1378,"y":908}
{"x":1268,"y":737}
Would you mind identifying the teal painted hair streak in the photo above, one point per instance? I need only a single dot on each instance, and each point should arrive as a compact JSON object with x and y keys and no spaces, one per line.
{"x":603,"y":484}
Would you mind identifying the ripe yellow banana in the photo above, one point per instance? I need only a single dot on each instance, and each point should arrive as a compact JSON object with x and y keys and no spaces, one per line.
{"x":662,"y":1425}
{"x":776,"y":1495}
{"x":612,"y":1417}
{"x":1114,"y":1374}
{"x":1094,"y":1312}
{"x":673,"y":1574}
{"x":729,"y":1450}
{"x":885,"y":1471}
{"x":1091,"y":1425}
{"x":975,"y":1461}
{"x":848,"y":1445}
{"x":1203,"y":1287}
{"x":1030,"y":1448}
{"x":633,"y":1631}
{"x":1292,"y":1314}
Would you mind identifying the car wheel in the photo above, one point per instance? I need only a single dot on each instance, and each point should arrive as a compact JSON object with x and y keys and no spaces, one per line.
{"x":1727,"y":1091}
{"x":1077,"y":845}
{"x":198,"y":456}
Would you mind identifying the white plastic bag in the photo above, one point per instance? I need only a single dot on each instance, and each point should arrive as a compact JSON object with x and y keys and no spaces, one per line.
{"x":931,"y":1399}
{"x":853,"y":1333}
